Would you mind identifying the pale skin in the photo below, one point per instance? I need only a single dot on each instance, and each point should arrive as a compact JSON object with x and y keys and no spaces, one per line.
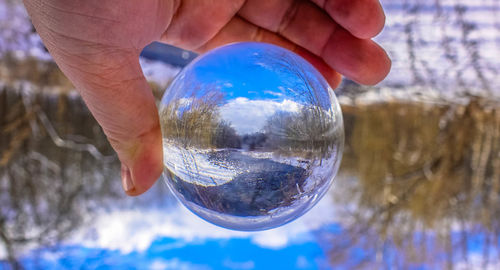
{"x":97,"y":43}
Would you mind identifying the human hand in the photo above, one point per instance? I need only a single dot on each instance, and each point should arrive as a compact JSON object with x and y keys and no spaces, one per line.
{"x":97,"y":43}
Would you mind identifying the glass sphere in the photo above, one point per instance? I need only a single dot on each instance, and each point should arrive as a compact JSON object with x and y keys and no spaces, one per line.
{"x":252,"y":136}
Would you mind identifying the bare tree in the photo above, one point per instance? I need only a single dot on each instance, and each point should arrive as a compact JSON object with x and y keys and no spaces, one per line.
{"x":428,"y":181}
{"x":53,"y":172}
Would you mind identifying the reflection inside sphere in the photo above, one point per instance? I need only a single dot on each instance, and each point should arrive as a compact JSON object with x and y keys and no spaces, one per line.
{"x":252,"y":136}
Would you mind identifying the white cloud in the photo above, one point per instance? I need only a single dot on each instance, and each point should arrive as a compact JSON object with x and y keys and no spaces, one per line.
{"x":264,"y":65}
{"x":184,"y":102}
{"x":475,"y":262}
{"x":158,"y":265}
{"x":157,"y":71}
{"x":175,"y":264}
{"x":239,"y":265}
{"x":249,"y":116}
{"x":276,"y":94}
{"x":135,"y":229}
{"x":3,"y":252}
{"x":302,"y":262}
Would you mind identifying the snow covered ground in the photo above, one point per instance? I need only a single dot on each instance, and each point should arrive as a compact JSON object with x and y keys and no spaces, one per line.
{"x":193,"y":166}
{"x":448,"y":45}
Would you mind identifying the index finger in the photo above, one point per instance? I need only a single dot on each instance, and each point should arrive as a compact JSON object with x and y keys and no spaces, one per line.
{"x":310,"y":27}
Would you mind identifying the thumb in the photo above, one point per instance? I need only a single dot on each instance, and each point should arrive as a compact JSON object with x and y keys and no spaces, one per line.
{"x":98,"y":49}
{"x":114,"y":88}
{"x":99,"y":52}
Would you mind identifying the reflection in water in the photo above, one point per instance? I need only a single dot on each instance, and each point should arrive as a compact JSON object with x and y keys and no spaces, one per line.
{"x":270,"y":164}
{"x":49,"y":185}
{"x":418,"y":186}
{"x":427,"y":186}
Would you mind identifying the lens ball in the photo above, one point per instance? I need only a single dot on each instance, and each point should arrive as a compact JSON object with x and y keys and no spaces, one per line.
{"x":252,"y":136}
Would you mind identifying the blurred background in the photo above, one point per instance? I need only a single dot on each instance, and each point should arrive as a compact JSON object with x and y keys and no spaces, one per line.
{"x":419,"y":185}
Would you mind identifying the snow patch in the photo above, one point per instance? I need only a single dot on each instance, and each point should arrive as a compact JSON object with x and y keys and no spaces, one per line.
{"x":192,"y":166}
{"x":158,"y":72}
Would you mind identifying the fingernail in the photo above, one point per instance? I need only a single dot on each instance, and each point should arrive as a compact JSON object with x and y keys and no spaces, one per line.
{"x":126,"y":179}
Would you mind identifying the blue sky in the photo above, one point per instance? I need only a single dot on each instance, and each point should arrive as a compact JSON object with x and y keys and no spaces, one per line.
{"x":254,"y":87}
{"x":166,"y":253}
{"x":168,"y":236}
{"x":244,"y":70}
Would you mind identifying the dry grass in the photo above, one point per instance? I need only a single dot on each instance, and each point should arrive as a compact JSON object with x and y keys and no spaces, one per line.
{"x":422,"y":170}
{"x":43,"y":74}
